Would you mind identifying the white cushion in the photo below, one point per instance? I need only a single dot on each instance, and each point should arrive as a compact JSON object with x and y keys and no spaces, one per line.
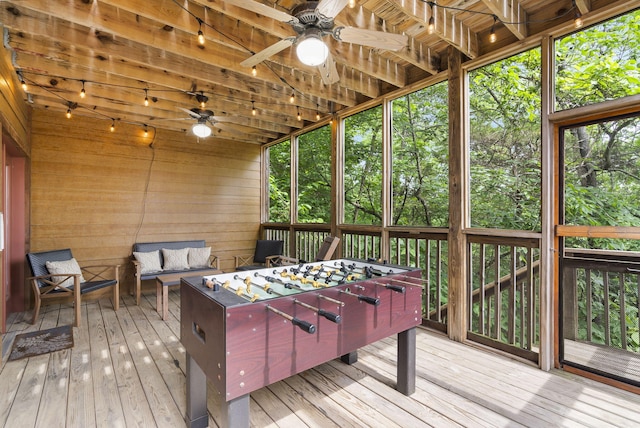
{"x":64,"y":267}
{"x":199,"y":257}
{"x":149,"y":262}
{"x":175,"y":259}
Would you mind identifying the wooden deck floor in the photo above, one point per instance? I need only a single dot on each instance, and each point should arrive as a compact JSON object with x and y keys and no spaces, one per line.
{"x":128,"y":369}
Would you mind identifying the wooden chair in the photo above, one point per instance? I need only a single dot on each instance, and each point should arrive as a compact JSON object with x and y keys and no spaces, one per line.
{"x":48,"y":285}
{"x":326,"y":251}
{"x":266,"y":250}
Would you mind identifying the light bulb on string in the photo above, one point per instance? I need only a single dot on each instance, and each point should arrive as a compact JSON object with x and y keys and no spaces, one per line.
{"x":492,"y":35}
{"x":200,"y":33}
{"x":69,"y":113}
{"x":317,"y":112}
{"x":292,"y":98}
{"x":299,"y":115}
{"x":254,"y":71}
{"x":146,"y":131}
{"x":23,"y":84}
{"x":113,"y":125}
{"x":253,"y":108}
{"x":146,"y":98}
{"x":82,"y":91}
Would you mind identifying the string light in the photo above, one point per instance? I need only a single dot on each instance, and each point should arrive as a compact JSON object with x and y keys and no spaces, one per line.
{"x":202,"y":99}
{"x":200,"y":33}
{"x":113,"y":125}
{"x":69,"y":113}
{"x":299,"y":115}
{"x":253,"y":108}
{"x":317,"y":111}
{"x":254,"y":71}
{"x":146,"y":98}
{"x":82,"y":91}
{"x":352,"y":4}
{"x":292,"y":99}
{"x":492,"y":35}
{"x":146,"y":131}
{"x":23,"y":83}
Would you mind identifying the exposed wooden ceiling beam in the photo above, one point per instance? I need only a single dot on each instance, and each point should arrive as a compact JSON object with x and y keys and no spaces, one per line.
{"x":447,"y":25}
{"x":115,"y":32}
{"x":512,"y":15}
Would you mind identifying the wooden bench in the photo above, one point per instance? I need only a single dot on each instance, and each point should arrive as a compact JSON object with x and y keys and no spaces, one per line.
{"x":168,"y":275}
{"x":163,"y":282}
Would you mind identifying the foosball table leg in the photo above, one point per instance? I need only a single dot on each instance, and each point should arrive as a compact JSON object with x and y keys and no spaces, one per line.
{"x":235,"y":413}
{"x":406,"y":376}
{"x":196,"y":395}
{"x":350,"y":358}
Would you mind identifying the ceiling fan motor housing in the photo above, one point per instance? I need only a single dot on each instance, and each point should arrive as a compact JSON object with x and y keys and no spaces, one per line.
{"x":309,"y":18}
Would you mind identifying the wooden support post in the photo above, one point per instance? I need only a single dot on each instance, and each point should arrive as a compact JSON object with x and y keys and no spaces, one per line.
{"x":458,"y":199}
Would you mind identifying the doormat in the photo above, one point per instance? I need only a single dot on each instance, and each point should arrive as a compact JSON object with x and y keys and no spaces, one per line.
{"x":42,"y":341}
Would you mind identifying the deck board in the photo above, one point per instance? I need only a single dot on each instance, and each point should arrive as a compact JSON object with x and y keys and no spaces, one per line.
{"x":127,"y":368}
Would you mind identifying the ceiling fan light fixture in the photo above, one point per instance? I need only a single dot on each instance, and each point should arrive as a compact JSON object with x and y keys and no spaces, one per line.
{"x":311,"y":50}
{"x":201,"y":130}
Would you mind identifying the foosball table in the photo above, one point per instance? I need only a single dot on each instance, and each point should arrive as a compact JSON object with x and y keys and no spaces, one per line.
{"x":246,"y":330}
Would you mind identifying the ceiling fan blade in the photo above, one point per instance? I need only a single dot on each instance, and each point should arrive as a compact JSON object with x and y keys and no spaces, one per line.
{"x":330,"y":8}
{"x":328,"y":71}
{"x":265,"y":10}
{"x":267,"y":52}
{"x":371,"y":38}
{"x":191,"y":113}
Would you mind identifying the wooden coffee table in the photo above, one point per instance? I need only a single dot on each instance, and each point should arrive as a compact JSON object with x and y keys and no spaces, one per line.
{"x":163,"y":282}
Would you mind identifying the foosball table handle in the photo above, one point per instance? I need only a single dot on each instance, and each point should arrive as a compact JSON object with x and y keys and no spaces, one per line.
{"x":304,"y":325}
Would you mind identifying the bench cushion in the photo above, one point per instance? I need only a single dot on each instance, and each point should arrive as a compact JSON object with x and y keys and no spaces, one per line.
{"x":145,"y":247}
{"x":175,"y":259}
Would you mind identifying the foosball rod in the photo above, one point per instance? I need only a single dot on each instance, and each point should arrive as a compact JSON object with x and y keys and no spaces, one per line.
{"x":240,"y":291}
{"x":367,"y":299}
{"x":332,"y":300}
{"x":413,"y":277}
{"x":328,"y":315}
{"x":396,"y":288}
{"x":288,"y":285}
{"x":265,"y":287}
{"x":303,"y":325}
{"x":413,"y":284}
{"x":293,"y":277}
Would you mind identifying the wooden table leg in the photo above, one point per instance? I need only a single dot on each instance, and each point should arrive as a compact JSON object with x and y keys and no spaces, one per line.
{"x":159,"y":288}
{"x":165,"y":302}
{"x":406,"y":377}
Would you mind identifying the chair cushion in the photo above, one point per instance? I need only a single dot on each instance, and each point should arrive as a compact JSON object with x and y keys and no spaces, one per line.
{"x":149,"y":261}
{"x":266,"y":248}
{"x":175,"y":259}
{"x":64,"y":267}
{"x":199,"y":257}
{"x":37,"y":261}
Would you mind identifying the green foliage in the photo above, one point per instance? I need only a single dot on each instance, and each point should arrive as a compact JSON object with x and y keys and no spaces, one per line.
{"x":599,"y":63}
{"x":314,"y":176}
{"x":363,"y":167}
{"x":505,"y":143}
{"x":420,"y":158}
{"x":279,"y":182}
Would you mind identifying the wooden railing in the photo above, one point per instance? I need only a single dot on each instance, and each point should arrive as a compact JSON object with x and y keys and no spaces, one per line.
{"x":601,"y":297}
{"x":428,"y":251}
{"x":504,"y":293}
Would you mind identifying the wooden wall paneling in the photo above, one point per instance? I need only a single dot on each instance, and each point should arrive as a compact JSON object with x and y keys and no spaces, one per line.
{"x":90,"y":190}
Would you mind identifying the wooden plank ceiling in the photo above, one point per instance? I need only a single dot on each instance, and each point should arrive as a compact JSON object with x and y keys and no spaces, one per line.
{"x":122,"y":51}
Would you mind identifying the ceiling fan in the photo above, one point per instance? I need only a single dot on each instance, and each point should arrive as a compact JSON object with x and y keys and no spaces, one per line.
{"x":312,"y":21}
{"x":201,"y":129}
